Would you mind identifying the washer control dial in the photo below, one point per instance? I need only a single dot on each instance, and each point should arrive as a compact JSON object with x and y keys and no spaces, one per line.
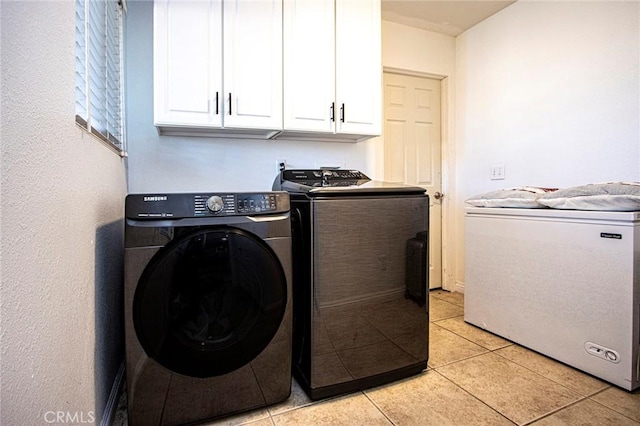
{"x":215,"y":204}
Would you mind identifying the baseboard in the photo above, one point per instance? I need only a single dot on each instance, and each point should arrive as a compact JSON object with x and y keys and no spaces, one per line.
{"x":459,"y":287}
{"x":114,"y":397}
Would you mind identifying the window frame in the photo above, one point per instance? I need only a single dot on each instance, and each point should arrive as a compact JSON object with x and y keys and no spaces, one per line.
{"x":99,"y":75}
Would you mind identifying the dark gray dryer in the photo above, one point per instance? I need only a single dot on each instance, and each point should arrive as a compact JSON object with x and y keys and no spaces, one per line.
{"x":360,"y":280}
{"x":207,"y":304}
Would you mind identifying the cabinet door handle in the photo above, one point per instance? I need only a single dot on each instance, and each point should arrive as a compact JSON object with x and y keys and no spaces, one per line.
{"x":217,"y":104}
{"x":332,"y":109}
{"x":229,"y":103}
{"x":342,"y":113}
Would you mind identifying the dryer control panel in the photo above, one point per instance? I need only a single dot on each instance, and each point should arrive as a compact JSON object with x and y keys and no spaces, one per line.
{"x":185,"y":205}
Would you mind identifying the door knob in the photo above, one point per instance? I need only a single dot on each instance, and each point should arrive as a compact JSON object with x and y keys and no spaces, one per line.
{"x":438,"y":195}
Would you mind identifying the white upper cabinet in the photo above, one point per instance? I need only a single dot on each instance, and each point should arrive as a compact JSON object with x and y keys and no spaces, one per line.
{"x":359,"y":66}
{"x":253,"y":63}
{"x":187,"y":55}
{"x":332,"y":69}
{"x":309,"y":65}
{"x":218,"y":67}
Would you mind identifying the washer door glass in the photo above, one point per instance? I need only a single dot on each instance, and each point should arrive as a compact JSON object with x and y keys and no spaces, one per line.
{"x":209,"y":302}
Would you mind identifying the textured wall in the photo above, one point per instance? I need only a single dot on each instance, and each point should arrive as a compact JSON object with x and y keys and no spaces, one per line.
{"x":61,"y":248}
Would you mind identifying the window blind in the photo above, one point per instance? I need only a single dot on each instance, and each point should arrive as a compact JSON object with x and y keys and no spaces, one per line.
{"x":98,"y":71}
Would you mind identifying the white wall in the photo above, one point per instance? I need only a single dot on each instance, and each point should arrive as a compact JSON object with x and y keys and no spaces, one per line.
{"x":61,"y":248}
{"x":165,"y":164}
{"x":412,"y":49}
{"x":551,"y":90}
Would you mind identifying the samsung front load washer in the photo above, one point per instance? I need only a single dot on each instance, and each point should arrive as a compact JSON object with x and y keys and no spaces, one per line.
{"x":207,"y":304}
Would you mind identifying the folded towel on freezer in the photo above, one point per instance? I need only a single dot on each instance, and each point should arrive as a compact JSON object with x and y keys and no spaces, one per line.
{"x":520,"y":197}
{"x":610,"y":196}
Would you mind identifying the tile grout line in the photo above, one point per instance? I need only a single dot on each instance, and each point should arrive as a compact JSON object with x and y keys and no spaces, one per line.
{"x":460,"y":360}
{"x":554,"y":411}
{"x":310,"y":402}
{"x":510,"y":342}
{"x":607,"y":386}
{"x":606,"y":406}
{"x":487,"y":350}
{"x":436,"y":295}
{"x":378,"y":408}
{"x":444,"y":318}
{"x":474,"y":397}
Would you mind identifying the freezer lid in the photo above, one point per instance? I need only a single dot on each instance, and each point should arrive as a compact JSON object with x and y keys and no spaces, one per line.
{"x":558,"y":214}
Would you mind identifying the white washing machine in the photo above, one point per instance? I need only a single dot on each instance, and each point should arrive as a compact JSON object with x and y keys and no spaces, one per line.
{"x":207,"y":304}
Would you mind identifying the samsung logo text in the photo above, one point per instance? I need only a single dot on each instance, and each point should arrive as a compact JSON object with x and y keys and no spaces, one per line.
{"x":155,"y":198}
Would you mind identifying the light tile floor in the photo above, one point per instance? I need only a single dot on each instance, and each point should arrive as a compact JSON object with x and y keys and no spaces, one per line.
{"x":474,"y":378}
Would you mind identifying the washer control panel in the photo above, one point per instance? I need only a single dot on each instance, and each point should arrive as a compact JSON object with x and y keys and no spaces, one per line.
{"x":233,"y":204}
{"x":177,"y":206}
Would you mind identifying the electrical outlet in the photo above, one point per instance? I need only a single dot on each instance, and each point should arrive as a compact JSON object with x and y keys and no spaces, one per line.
{"x":497,"y":172}
{"x":281,"y":164}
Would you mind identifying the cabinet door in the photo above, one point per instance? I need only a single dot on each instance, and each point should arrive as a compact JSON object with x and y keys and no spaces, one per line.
{"x":187,"y":46}
{"x":309,"y":65}
{"x":358,"y":66}
{"x":253,"y":64}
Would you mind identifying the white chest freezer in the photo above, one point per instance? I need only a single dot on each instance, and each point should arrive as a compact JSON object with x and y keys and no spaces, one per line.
{"x":564,"y":283}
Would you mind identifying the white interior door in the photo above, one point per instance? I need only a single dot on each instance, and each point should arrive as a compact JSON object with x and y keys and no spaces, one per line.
{"x":412,"y":149}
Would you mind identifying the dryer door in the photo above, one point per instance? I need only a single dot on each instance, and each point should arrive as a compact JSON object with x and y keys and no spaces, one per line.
{"x":209,"y":302}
